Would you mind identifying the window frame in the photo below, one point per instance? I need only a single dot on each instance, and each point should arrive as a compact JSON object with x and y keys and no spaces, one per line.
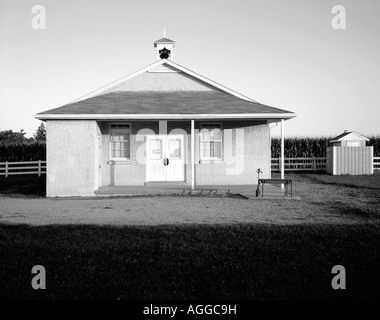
{"x":353,"y":143}
{"x":202,"y":158}
{"x":124,"y":159}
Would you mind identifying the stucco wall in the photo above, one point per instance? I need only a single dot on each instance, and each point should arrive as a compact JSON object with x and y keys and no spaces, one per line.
{"x":126,"y":173}
{"x":246,"y":148}
{"x":71,"y":158}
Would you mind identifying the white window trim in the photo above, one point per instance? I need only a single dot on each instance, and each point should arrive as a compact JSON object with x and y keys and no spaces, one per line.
{"x":354,"y":143}
{"x":210,"y":159}
{"x":113,"y":160}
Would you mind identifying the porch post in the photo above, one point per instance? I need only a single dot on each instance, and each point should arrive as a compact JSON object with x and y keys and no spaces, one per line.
{"x":192,"y":155}
{"x":282,"y":152}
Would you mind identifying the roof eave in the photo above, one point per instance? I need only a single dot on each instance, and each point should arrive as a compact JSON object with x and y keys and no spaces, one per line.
{"x":262,"y":116}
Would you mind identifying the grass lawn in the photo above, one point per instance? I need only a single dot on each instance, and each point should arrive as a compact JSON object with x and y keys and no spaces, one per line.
{"x":361,"y":181}
{"x":190,"y":262}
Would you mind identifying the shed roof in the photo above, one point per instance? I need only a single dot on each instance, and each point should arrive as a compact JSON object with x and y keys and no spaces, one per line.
{"x":349,"y":135}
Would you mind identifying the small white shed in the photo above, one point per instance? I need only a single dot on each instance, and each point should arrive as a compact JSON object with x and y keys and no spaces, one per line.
{"x":348,"y":154}
{"x":349,"y":139}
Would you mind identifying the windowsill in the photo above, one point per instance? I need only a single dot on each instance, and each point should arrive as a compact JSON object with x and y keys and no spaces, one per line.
{"x":119,"y":161}
{"x":210,"y":161}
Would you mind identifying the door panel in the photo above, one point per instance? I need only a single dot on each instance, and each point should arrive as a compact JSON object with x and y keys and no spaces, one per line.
{"x":155,"y":168}
{"x":165,"y":149}
{"x":175,"y":169}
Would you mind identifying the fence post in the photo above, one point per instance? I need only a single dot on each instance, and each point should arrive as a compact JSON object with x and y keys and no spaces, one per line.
{"x":314,"y":165}
{"x":279,"y":164}
{"x":6,"y":169}
{"x":39,"y":168}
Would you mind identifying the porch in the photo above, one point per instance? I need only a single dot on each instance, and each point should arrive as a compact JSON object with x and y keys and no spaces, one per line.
{"x":210,"y":153}
{"x":170,"y":189}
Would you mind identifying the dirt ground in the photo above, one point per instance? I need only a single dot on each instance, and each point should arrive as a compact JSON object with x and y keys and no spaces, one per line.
{"x":319,"y":200}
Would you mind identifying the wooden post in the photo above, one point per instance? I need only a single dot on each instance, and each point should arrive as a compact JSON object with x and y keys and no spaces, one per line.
{"x":39,"y":168}
{"x":6,"y":169}
{"x":314,"y":165}
{"x":282,"y":153}
{"x":192,"y":156}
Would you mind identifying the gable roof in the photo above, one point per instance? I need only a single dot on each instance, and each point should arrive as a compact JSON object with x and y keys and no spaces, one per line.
{"x":351,"y":135}
{"x":164,"y":63}
{"x":112,"y":102}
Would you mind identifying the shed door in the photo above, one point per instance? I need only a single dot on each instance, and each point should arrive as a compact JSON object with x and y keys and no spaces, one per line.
{"x":165,"y":158}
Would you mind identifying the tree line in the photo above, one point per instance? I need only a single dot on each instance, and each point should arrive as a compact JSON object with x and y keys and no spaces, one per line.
{"x":15,"y":146}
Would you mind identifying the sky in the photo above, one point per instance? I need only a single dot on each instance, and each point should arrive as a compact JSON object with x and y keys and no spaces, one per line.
{"x":284,"y":54}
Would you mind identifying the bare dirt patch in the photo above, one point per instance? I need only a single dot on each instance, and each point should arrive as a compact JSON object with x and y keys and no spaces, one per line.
{"x":323,"y":199}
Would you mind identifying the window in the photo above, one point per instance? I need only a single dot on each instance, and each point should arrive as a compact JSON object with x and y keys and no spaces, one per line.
{"x":353,"y":143}
{"x":120,"y":141}
{"x":211,"y":141}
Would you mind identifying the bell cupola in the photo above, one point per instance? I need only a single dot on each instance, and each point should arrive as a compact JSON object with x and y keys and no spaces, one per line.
{"x":164,"y":48}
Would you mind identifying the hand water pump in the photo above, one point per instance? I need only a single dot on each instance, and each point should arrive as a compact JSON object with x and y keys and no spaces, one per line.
{"x":258,"y":185}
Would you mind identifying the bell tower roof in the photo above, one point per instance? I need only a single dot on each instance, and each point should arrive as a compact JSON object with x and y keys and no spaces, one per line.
{"x":164,"y":48}
{"x":163,"y":41}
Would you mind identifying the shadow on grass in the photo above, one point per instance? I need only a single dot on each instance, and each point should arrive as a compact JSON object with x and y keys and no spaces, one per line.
{"x":190,"y":262}
{"x":27,"y":186}
{"x":351,"y":181}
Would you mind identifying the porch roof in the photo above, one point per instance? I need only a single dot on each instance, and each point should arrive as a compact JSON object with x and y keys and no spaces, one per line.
{"x":165,"y":104}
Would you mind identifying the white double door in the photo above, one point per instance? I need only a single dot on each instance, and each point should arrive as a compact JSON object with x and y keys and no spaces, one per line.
{"x":165,"y":158}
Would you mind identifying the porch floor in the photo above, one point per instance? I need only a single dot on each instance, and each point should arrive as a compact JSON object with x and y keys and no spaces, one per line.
{"x":248,"y":191}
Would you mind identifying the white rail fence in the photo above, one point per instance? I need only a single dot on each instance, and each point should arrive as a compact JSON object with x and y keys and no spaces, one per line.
{"x":300,"y":164}
{"x":309,"y":164}
{"x":376,"y":163}
{"x":24,"y":167}
{"x":291,"y":164}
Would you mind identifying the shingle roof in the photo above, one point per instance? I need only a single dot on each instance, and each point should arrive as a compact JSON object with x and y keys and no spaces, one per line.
{"x":341,"y":135}
{"x":344,"y":134}
{"x":172,"y":102}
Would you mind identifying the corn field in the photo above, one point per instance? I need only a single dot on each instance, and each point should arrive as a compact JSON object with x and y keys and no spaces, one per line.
{"x":303,"y":147}
{"x":375,"y":142}
{"x":23,"y":152}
